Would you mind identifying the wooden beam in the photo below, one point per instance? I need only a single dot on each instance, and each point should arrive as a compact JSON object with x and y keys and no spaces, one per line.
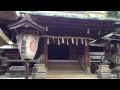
{"x":45,"y":52}
{"x":41,"y":45}
{"x":67,"y":37}
{"x":87,"y":57}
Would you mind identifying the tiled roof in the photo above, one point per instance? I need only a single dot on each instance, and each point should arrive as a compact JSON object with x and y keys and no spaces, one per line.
{"x":66,"y":15}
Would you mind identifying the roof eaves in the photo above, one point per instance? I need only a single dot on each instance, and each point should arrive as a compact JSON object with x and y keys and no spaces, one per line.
{"x":25,"y":21}
{"x":66,"y":15}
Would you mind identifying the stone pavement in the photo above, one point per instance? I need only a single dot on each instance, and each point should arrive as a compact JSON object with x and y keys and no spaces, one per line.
{"x":60,"y":75}
{"x":69,"y":75}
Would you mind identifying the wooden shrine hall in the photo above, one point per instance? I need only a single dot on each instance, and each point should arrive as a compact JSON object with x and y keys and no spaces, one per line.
{"x":66,"y":38}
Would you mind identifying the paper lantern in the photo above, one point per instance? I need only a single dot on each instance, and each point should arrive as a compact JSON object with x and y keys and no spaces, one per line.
{"x":27,"y":45}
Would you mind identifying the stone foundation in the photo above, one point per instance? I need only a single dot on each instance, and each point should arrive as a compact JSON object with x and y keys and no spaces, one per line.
{"x":104,"y":72}
{"x":39,"y":71}
{"x":17,"y":71}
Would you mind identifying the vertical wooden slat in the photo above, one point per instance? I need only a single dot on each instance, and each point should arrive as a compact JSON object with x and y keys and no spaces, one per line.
{"x":45,"y":52}
{"x":87,"y":57}
{"x":41,"y":45}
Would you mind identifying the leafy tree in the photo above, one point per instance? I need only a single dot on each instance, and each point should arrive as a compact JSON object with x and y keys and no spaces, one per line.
{"x":113,"y":14}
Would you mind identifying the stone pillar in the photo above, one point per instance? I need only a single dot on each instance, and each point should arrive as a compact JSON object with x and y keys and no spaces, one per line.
{"x":104,"y":72}
{"x":39,"y":71}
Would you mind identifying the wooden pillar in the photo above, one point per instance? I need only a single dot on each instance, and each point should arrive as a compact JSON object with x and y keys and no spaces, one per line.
{"x":42,"y":46}
{"x":87,"y":57}
{"x":45,"y":52}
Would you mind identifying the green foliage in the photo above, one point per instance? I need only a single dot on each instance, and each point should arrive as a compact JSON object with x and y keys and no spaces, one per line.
{"x":113,"y":14}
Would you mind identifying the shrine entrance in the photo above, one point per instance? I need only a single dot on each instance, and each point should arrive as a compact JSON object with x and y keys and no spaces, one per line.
{"x":58,"y":52}
{"x":62,"y":58}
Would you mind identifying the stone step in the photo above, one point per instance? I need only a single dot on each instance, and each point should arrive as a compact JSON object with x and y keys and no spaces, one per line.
{"x":72,"y":76}
{"x":63,"y":66}
{"x":69,"y":75}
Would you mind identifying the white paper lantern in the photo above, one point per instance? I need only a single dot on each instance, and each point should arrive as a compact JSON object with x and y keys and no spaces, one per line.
{"x":30,"y":47}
